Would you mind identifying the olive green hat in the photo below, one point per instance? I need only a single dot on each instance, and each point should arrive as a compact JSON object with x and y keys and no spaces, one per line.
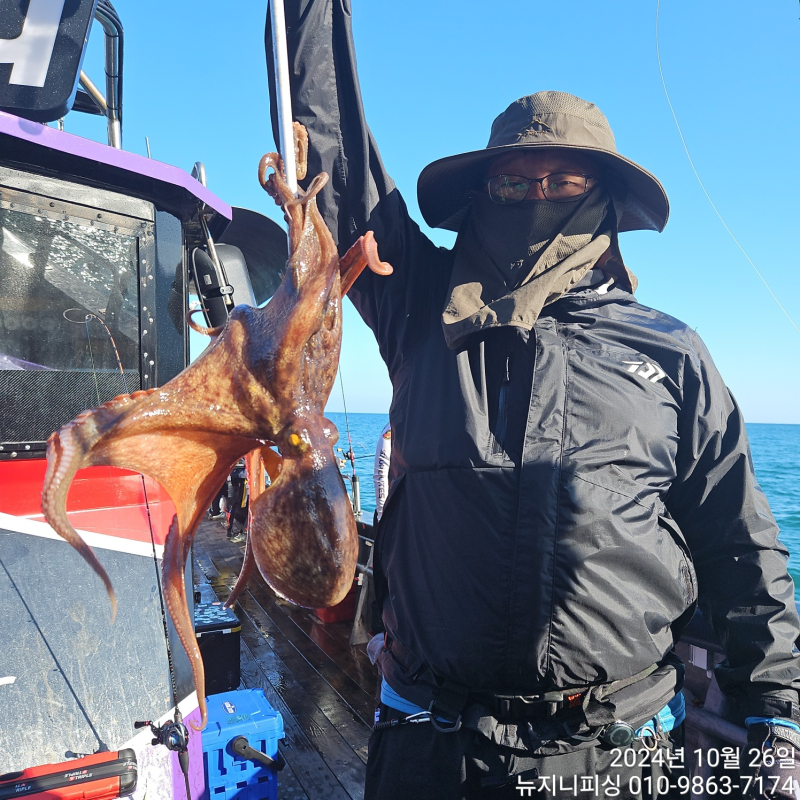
{"x":541,"y":120}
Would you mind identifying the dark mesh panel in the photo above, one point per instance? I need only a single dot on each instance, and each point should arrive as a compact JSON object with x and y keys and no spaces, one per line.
{"x":34,"y":403}
{"x":564,"y":103}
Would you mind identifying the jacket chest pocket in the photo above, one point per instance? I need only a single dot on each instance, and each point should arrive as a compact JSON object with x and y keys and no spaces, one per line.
{"x":621,"y":408}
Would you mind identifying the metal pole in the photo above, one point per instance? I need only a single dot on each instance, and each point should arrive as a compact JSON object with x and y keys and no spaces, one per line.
{"x":356,"y":497}
{"x":280,"y":55}
{"x":94,"y":93}
{"x":113,"y":31}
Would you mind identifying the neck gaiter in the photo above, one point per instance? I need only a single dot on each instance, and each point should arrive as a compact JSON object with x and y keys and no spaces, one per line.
{"x":511,"y":261}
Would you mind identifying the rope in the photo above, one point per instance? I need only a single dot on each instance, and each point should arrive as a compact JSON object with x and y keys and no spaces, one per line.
{"x":702,"y":185}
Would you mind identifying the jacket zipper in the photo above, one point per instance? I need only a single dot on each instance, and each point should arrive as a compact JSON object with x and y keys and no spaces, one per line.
{"x":502,"y":411}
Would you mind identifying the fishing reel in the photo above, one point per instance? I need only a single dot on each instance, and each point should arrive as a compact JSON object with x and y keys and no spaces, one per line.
{"x":173,"y":735}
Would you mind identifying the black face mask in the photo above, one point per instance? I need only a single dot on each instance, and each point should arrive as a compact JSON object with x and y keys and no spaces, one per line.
{"x":513,"y":237}
{"x":512,"y":260}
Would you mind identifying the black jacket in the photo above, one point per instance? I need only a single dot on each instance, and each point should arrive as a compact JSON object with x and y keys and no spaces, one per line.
{"x":237,"y":504}
{"x":560,"y":500}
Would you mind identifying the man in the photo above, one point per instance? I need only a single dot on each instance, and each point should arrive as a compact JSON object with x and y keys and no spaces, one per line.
{"x":569,"y":473}
{"x":238,"y":503}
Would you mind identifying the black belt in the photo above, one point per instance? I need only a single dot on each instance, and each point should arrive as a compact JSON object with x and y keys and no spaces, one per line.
{"x":450,"y":697}
{"x":538,"y":706}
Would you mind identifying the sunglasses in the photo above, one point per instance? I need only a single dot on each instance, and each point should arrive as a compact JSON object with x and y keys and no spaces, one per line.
{"x":557,"y":188}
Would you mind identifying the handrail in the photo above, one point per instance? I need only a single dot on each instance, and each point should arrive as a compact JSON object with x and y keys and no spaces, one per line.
{"x":112,"y":27}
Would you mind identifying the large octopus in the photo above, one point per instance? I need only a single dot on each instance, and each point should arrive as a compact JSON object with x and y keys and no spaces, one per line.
{"x":264,"y":381}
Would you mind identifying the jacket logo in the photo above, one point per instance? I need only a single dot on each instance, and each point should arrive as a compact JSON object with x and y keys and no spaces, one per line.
{"x":646,"y":370}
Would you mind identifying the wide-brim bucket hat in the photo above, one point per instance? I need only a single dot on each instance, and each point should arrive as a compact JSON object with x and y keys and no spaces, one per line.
{"x":539,"y":121}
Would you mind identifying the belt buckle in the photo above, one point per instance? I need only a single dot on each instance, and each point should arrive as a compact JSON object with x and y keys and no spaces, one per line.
{"x":527,"y":704}
{"x":514,"y":706}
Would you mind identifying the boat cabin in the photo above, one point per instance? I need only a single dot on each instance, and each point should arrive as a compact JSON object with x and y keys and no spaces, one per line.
{"x":102,"y":254}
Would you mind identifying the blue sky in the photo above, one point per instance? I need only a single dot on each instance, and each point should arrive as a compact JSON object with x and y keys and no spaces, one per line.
{"x":434,"y":74}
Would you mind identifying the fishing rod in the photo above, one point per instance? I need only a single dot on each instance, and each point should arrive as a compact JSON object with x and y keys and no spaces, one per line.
{"x":174,"y":735}
{"x":280,"y":56}
{"x":351,"y":456}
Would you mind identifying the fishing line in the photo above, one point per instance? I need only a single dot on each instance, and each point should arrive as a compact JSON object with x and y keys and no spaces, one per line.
{"x":91,"y":356}
{"x":91,"y":315}
{"x":113,"y":345}
{"x":702,"y":185}
{"x":347,"y":424}
{"x":178,"y":717}
{"x":160,"y":595}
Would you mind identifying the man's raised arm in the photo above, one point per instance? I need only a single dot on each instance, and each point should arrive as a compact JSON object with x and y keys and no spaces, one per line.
{"x":360,"y":195}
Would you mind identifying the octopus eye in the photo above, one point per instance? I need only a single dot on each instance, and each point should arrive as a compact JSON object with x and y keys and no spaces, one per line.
{"x":297,"y":443}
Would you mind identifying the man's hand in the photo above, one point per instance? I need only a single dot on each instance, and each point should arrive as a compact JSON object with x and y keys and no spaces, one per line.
{"x":770,"y":765}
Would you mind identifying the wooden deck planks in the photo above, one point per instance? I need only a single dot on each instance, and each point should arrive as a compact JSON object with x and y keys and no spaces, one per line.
{"x":309,"y":771}
{"x":323,"y":688}
{"x":305,"y":681}
{"x":346,"y":669}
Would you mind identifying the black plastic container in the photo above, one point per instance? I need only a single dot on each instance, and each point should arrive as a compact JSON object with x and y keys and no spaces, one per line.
{"x":218,"y":630}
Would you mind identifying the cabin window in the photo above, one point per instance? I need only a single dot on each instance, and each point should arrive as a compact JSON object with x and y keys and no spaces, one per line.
{"x":69,"y":313}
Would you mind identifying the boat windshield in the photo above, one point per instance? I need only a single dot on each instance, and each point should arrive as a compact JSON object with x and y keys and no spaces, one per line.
{"x":69,"y":316}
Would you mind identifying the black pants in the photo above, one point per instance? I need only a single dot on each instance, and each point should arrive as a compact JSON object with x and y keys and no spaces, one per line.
{"x":237,"y":523}
{"x":417,"y":762}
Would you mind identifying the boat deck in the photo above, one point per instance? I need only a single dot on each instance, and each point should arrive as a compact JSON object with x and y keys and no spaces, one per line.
{"x":323,"y":687}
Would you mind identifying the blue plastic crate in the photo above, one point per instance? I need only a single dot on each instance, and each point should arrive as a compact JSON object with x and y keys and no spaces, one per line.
{"x":246,"y":712}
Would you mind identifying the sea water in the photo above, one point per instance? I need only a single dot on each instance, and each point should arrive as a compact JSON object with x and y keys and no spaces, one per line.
{"x":776,"y":457}
{"x":363,"y":431}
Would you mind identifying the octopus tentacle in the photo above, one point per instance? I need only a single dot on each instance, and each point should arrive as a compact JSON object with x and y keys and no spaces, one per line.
{"x":257,"y":462}
{"x":300,"y":149}
{"x":212,"y":332}
{"x":173,"y":566}
{"x":67,"y":458}
{"x":276,"y":187}
{"x":364,"y":253}
{"x":314,"y":188}
{"x":255,"y":481}
{"x":245,"y":573}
